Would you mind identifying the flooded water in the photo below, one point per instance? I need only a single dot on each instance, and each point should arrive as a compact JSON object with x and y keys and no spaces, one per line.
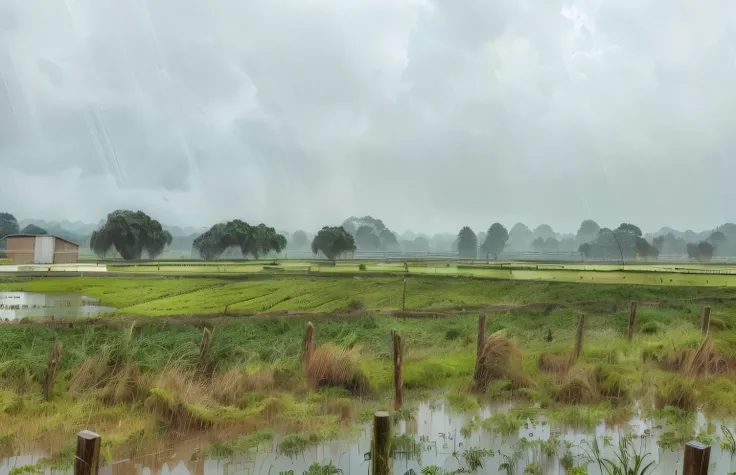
{"x":442,"y":443}
{"x":18,"y":305}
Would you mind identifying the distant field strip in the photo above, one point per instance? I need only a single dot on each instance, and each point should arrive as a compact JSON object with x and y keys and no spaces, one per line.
{"x":208,"y":296}
{"x":642,"y":274}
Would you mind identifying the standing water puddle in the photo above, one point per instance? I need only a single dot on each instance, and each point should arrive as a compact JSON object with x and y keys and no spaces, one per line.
{"x":19,"y":305}
{"x":441,"y":442}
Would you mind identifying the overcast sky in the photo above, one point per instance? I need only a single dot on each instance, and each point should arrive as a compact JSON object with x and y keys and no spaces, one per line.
{"x":429,"y":114}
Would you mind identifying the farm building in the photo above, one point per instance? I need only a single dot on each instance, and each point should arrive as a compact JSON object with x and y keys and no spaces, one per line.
{"x":41,"y":249}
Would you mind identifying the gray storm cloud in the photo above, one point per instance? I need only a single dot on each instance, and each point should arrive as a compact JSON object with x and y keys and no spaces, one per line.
{"x":428,"y":114}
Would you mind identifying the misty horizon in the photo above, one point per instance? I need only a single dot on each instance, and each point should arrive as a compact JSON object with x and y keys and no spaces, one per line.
{"x":429,"y":114}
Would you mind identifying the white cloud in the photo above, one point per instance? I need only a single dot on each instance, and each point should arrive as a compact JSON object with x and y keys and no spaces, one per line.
{"x":428,"y":114}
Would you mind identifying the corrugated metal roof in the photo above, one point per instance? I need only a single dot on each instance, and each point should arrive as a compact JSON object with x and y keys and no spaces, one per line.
{"x":36,"y":235}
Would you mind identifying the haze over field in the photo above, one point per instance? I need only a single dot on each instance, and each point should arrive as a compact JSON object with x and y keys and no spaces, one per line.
{"x":429,"y":114}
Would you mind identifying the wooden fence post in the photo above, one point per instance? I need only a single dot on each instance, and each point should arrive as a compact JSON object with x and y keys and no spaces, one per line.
{"x":696,"y":460}
{"x":308,"y":346}
{"x":381,"y":453}
{"x":52,"y":370}
{"x":705,"y":320}
{"x":632,"y":320}
{"x":398,"y":350}
{"x":578,"y":340}
{"x":479,"y":350}
{"x":403,"y":296}
{"x":87,"y":461}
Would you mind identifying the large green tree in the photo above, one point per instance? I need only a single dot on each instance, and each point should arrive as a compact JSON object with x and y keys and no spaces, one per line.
{"x":495,"y":240}
{"x":467,"y":243}
{"x":332,"y":241}
{"x":588,"y":231}
{"x":8,"y":225}
{"x":131,"y":233}
{"x":253,"y":241}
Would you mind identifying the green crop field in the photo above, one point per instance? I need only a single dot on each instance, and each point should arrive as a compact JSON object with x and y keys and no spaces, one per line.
{"x":282,"y":294}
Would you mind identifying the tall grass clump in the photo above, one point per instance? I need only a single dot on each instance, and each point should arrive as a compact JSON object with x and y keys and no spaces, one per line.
{"x":332,"y":366}
{"x":500,"y":358}
{"x":676,"y":392}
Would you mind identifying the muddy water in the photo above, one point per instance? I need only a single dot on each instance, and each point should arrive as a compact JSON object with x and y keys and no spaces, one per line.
{"x":19,"y":305}
{"x":439,"y":431}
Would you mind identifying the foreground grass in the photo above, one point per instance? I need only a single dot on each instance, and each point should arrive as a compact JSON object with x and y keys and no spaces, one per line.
{"x":208,"y":296}
{"x":139,"y":383}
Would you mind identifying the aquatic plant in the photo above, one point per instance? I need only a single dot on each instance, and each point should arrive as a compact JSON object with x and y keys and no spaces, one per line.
{"x":318,"y":469}
{"x":474,"y":457}
{"x":728,"y":442}
{"x":627,"y":460}
{"x":503,"y":423}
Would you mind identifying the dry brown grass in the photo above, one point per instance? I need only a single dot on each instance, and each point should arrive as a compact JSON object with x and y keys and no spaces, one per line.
{"x":692,"y":362}
{"x":181,"y":399}
{"x":228,"y":388}
{"x":555,"y":364}
{"x":578,"y":386}
{"x":118,"y":381}
{"x":331,"y":366}
{"x":499,"y":359}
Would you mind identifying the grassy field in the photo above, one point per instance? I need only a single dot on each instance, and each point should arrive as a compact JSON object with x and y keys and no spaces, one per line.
{"x":210,"y":296}
{"x":138,"y":377}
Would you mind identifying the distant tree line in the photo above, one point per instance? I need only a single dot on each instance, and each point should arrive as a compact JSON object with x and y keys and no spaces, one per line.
{"x":135,"y":235}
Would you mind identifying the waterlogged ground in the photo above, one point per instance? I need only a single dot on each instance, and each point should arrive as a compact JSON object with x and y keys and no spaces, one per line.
{"x":434,"y":435}
{"x":19,"y":305}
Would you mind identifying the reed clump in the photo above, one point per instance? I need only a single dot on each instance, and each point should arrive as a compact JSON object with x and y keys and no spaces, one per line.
{"x":500,"y":359}
{"x":690,"y":360}
{"x":333,"y":367}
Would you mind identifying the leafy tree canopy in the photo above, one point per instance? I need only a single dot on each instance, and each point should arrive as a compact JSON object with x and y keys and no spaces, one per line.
{"x":352,"y":224}
{"x":588,"y":230}
{"x":495,"y":240}
{"x":629,"y":228}
{"x":8,"y":225}
{"x":333,"y":241}
{"x":467,"y":243}
{"x":545,"y":231}
{"x":33,"y":229}
{"x":702,"y":251}
{"x":131,"y":233}
{"x":256,"y":241}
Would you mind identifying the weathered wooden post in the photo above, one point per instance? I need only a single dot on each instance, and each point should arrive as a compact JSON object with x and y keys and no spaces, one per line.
{"x":705,"y":320}
{"x":479,"y":350}
{"x":398,"y":350}
{"x":632,"y":320}
{"x":696,"y":460}
{"x":308,"y":346}
{"x":87,"y":461}
{"x":403,"y":296}
{"x":52,"y":370}
{"x":381,"y":450}
{"x":579,"y":339}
